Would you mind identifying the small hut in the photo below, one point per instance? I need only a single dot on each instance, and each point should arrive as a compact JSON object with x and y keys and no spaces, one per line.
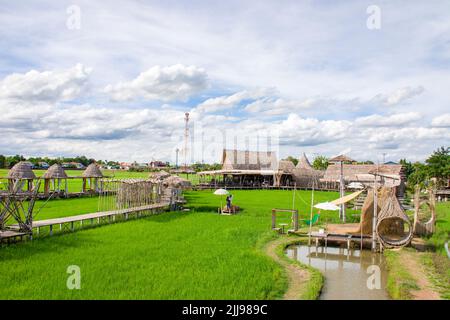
{"x":21,"y":171}
{"x":305,"y":175}
{"x":159,"y":175}
{"x":90,"y":178}
{"x":52,"y":179}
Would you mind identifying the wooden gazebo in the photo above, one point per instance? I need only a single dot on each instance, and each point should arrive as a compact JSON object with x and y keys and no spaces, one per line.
{"x":91,"y":176}
{"x":21,"y":171}
{"x":52,"y":179}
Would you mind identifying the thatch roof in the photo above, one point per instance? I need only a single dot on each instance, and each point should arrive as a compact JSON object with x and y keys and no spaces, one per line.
{"x":286,"y":166}
{"x":92,"y":171}
{"x":21,"y":170}
{"x":159,"y":175}
{"x":176,"y":182}
{"x":248,"y":160}
{"x":362,"y":172}
{"x":303,"y":162}
{"x":56,"y":171}
{"x":341,"y":158}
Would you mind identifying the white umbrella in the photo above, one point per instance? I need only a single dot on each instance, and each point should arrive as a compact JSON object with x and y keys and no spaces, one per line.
{"x":221,"y":192}
{"x":326,"y":206}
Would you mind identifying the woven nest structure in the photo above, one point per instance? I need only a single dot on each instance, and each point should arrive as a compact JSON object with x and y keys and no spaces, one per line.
{"x":393,"y":226}
{"x":92,"y":171}
{"x":56,"y":171}
{"x":21,"y":170}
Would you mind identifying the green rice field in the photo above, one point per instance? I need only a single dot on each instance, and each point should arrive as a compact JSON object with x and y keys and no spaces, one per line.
{"x":179,"y":255}
{"x":194,"y":254}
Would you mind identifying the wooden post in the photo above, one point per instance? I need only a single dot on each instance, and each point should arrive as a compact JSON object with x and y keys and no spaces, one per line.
{"x":46,"y":187}
{"x":274,"y":216}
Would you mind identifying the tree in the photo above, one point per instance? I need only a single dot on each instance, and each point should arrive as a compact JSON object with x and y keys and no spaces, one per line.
{"x":438,"y":164}
{"x":2,"y":161}
{"x":320,"y":163}
{"x":292,"y":159}
{"x":408,"y":168}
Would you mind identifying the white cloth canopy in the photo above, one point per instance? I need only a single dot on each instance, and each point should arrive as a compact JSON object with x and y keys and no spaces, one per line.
{"x":326,"y":206}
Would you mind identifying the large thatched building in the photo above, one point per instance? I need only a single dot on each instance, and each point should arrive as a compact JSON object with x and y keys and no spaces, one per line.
{"x":305,"y":175}
{"x":250,"y":169}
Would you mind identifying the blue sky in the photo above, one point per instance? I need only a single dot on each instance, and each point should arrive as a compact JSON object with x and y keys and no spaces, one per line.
{"x":309,"y":74}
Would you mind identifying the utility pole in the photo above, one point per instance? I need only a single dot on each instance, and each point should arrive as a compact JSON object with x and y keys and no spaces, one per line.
{"x":384,"y":157}
{"x":176,"y":158}
{"x":186,"y":136}
{"x":342,"y":191}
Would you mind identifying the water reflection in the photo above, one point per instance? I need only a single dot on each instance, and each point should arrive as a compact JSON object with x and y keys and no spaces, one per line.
{"x":345,"y":271}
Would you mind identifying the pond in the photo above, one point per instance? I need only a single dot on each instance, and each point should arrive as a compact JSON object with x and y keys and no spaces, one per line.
{"x":349,"y":274}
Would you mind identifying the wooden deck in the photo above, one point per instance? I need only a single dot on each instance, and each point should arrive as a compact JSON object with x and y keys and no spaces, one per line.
{"x":341,"y":239}
{"x":97,"y":217}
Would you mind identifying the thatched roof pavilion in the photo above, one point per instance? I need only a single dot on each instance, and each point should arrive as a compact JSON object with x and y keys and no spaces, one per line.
{"x":176,"y":182}
{"x":159,"y":175}
{"x":286,"y":166}
{"x":92,"y":171}
{"x":303,"y":163}
{"x":341,"y":158}
{"x":21,"y":170}
{"x":56,"y":171}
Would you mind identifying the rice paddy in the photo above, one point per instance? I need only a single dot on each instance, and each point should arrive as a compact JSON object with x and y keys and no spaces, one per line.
{"x":178,"y":255}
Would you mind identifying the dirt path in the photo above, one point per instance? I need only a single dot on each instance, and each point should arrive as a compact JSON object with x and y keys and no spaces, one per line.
{"x":297,"y":277}
{"x":411,"y":261}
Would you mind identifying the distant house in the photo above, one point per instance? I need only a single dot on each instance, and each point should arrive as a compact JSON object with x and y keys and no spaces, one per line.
{"x":43,"y":165}
{"x":159,"y":164}
{"x":73,"y":165}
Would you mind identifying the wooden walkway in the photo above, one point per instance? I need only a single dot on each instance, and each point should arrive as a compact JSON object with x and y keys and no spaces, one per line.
{"x":341,"y":239}
{"x":97,"y":217}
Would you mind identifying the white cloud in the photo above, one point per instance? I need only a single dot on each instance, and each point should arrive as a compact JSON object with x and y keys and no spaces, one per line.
{"x":395,"y":120}
{"x":400,"y":95}
{"x":171,"y":83}
{"x":224,"y":103}
{"x":299,"y":131}
{"x":441,"y":121}
{"x":45,"y":86}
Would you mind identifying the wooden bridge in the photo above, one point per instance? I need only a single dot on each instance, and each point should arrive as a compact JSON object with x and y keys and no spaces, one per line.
{"x":14,"y":233}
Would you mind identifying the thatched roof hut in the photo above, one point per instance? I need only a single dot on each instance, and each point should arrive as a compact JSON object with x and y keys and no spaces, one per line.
{"x":248,"y":160}
{"x":303,"y":163}
{"x":92,"y":171}
{"x":286,"y":166}
{"x":176,"y":182}
{"x":21,"y":170}
{"x":159,"y":175}
{"x":341,"y":158}
{"x":56,"y":171}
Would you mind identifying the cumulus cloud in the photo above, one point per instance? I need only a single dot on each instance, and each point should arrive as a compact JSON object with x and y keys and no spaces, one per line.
{"x":441,"y":121}
{"x":394,"y":120}
{"x":45,"y":86}
{"x":171,"y":83}
{"x":299,"y":131}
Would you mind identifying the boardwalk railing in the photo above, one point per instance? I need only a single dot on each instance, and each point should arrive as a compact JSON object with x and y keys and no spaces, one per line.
{"x":92,"y":219}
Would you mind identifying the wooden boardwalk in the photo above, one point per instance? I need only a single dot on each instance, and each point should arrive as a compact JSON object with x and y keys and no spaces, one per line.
{"x":97,"y":217}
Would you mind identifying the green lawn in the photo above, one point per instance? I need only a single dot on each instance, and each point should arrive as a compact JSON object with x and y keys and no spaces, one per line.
{"x":178,"y":255}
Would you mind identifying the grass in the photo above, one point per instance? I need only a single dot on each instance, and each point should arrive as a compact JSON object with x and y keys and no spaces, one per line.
{"x":400,"y":282}
{"x":316,"y":280}
{"x":438,"y":270}
{"x":442,"y":234}
{"x":177,"y":255}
